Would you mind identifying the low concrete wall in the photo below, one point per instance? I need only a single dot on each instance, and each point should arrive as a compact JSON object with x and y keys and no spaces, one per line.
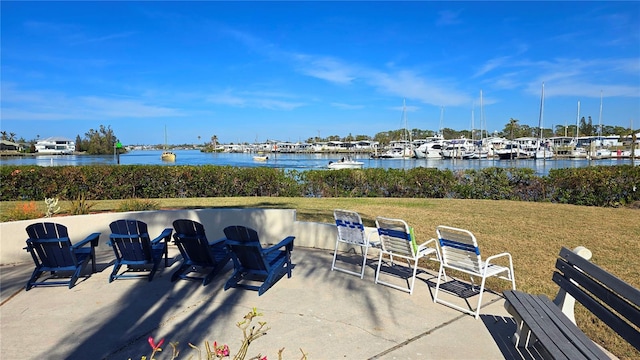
{"x":271,"y":224}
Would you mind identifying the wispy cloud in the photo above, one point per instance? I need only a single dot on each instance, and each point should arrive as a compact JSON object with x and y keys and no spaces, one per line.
{"x":83,"y":39}
{"x":40,"y":105}
{"x":448,"y":17}
{"x":325,"y":68}
{"x":347,"y":106}
{"x":71,"y":34}
{"x":260,"y":100}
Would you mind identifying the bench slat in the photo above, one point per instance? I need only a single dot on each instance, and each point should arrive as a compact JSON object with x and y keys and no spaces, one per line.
{"x":560,"y":338}
{"x":579,"y":338}
{"x":626,"y":331}
{"x":615,"y":284}
{"x":598,"y":291}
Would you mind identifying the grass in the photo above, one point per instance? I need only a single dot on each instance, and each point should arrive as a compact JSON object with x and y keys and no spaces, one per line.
{"x":532,"y":232}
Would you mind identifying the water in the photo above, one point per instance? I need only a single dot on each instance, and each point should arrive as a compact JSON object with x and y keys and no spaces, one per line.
{"x":299,"y":161}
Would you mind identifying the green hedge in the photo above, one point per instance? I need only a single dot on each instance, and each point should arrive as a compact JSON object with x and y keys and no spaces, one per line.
{"x":594,"y":186}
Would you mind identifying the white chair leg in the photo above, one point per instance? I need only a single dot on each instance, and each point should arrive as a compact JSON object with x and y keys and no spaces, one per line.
{"x":364,"y":260}
{"x":480,"y":297}
{"x":378,"y":269}
{"x":435,"y":296}
{"x":413,"y":279}
{"x":335,"y":254}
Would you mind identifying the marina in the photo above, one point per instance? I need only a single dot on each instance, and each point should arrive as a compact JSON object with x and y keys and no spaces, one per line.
{"x":302,"y":162}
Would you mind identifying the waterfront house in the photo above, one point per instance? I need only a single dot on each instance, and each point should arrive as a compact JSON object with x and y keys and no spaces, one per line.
{"x":55,"y":145}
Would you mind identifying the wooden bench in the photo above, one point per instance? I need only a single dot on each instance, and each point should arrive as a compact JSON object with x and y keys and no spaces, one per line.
{"x":548,"y":328}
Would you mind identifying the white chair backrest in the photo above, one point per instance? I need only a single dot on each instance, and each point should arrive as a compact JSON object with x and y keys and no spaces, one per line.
{"x":459,"y":248}
{"x":395,"y":236}
{"x":350,"y":227}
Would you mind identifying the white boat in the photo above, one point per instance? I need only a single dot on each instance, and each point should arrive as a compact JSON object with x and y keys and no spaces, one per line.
{"x":260,"y":158}
{"x":431,"y":148}
{"x":458,"y":149}
{"x":345,"y":163}
{"x":167,"y":155}
{"x":400,"y":148}
{"x":543,"y":151}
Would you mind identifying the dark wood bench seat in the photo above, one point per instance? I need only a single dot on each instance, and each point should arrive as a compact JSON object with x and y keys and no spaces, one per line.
{"x":548,"y":327}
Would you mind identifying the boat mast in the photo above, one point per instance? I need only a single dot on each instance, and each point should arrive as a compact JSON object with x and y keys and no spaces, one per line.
{"x":577,"y":121}
{"x":441,"y":120}
{"x":600,"y":119}
{"x":540,"y":119}
{"x":482,"y":120}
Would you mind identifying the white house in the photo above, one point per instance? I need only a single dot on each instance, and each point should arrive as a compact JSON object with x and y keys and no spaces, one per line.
{"x":55,"y":145}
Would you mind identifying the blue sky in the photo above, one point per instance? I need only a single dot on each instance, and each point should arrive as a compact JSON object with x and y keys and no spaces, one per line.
{"x":252,"y":71}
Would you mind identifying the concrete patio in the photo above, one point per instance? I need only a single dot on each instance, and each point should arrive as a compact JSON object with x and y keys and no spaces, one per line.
{"x":327,"y":314}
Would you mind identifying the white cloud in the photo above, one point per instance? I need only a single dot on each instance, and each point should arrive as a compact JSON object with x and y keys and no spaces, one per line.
{"x":261,"y":100}
{"x":347,"y":106}
{"x":41,"y":105}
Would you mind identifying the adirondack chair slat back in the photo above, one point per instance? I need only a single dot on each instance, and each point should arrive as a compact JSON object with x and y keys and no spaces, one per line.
{"x":395,"y":236}
{"x":51,"y":243}
{"x":47,"y":230}
{"x":192,"y":241}
{"x":134,"y":243}
{"x":350,"y":227}
{"x":459,"y":248}
{"x":247,"y":250}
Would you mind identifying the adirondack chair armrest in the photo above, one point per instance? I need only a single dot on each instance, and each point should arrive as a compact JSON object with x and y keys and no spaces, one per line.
{"x":93,"y":238}
{"x":120,"y":236}
{"x":219,"y":242}
{"x":165,"y":235}
{"x":288,"y":242}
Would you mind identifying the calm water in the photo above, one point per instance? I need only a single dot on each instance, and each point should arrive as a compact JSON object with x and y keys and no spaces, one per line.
{"x":299,"y":161}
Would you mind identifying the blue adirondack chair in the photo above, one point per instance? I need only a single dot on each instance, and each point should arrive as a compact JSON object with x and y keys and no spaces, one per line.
{"x":197,"y":252}
{"x":252,"y":263}
{"x":51,"y":250}
{"x":134,"y":248}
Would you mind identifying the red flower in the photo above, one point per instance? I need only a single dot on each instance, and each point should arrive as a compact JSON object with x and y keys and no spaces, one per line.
{"x":155,"y":346}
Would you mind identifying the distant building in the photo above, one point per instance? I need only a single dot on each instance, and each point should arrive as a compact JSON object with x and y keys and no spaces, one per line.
{"x":55,"y":145}
{"x":6,"y":145}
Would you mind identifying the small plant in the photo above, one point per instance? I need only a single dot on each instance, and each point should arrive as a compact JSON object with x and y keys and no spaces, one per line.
{"x":250,"y":333}
{"x":138,"y":205}
{"x":24,"y":211}
{"x":80,"y":206}
{"x":52,"y":206}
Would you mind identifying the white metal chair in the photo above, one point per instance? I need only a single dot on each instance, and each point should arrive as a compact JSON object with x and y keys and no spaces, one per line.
{"x":459,"y":251}
{"x":351,"y":232}
{"x":396,"y":240}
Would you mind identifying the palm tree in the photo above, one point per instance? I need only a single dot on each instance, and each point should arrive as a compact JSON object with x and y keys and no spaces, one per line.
{"x":512,"y":126}
{"x":214,"y":142}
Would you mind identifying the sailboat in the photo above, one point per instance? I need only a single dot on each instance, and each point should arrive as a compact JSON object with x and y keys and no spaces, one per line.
{"x":167,"y":155}
{"x":543,"y":151}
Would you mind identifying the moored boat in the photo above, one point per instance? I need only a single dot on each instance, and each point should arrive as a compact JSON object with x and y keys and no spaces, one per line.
{"x":345,"y":163}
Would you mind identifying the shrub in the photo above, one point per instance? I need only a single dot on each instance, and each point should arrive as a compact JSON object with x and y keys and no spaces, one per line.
{"x":80,"y":206}
{"x":24,"y":211}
